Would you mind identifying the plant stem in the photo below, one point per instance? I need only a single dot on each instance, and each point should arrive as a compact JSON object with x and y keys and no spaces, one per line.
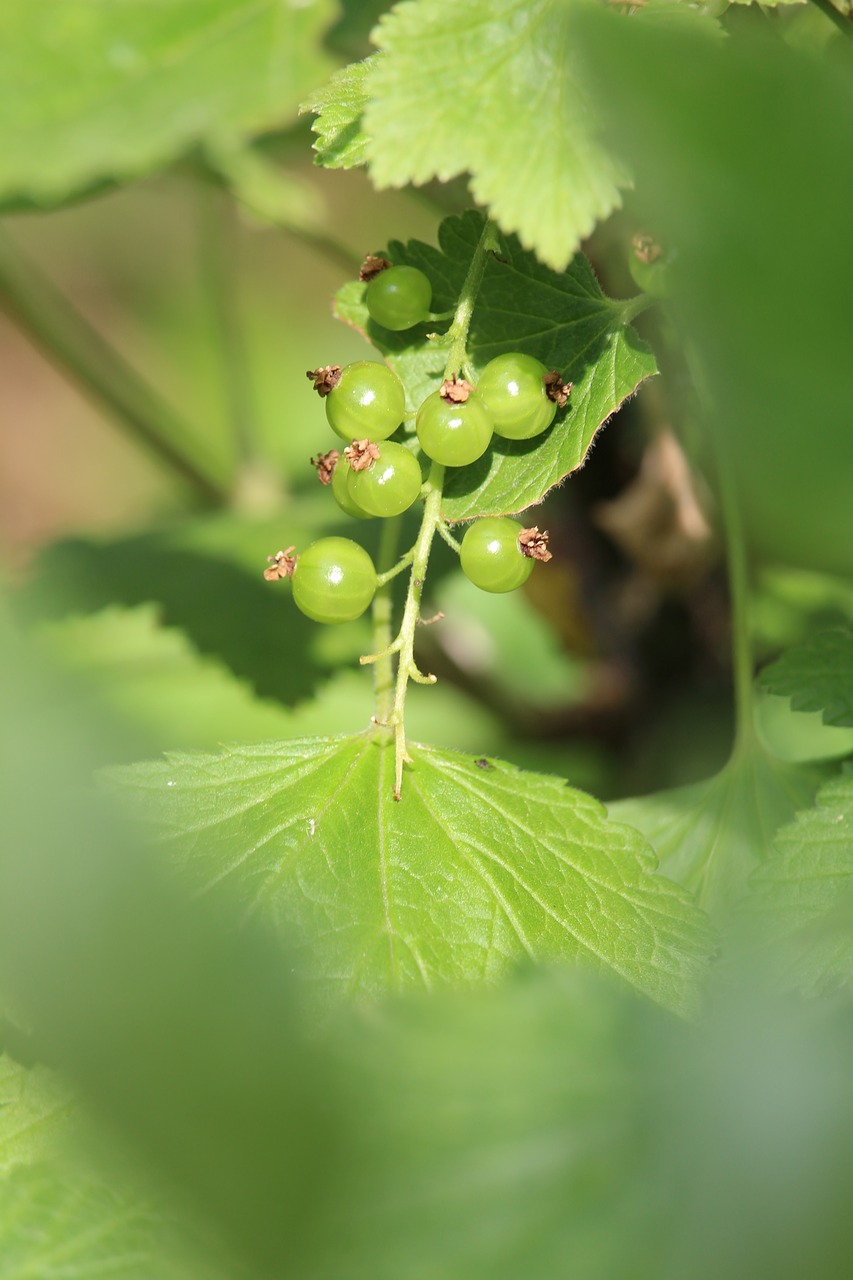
{"x":32,"y":301}
{"x":406,"y":667}
{"x":634,"y":307}
{"x":383,"y":669}
{"x":738,"y":570}
{"x":217,"y":246}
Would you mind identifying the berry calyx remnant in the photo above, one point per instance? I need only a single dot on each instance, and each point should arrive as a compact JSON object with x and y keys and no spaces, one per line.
{"x":371,"y":267}
{"x":534,"y":544}
{"x":281,"y":565}
{"x":325,"y":464}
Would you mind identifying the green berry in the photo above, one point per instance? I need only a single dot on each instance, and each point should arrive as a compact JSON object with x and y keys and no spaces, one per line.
{"x":513,"y":391}
{"x":368,"y":400}
{"x":391,"y":483}
{"x":341,"y":493}
{"x":399,"y":297}
{"x":454,"y":434}
{"x":491,"y":556}
{"x":334,"y":580}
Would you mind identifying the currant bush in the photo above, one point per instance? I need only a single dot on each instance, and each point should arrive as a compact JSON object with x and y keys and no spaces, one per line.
{"x":334,"y":580}
{"x":492,"y":557}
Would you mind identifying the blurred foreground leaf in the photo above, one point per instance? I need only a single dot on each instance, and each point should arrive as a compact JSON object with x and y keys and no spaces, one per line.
{"x":755,"y":205}
{"x":477,"y":866}
{"x":94,"y":90}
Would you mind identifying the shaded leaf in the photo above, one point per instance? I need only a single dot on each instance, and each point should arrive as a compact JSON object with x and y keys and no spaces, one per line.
{"x":712,"y":835}
{"x":816,"y":676}
{"x":803,"y":896}
{"x":561,"y":318}
{"x":479,"y":865}
{"x":99,"y":89}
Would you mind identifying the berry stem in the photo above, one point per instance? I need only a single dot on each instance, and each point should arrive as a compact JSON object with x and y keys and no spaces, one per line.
{"x":383,"y":669}
{"x":448,"y":537}
{"x":32,"y":302}
{"x":457,"y":339}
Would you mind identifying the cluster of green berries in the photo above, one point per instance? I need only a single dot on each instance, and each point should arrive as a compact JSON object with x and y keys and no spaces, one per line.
{"x":516,"y":397}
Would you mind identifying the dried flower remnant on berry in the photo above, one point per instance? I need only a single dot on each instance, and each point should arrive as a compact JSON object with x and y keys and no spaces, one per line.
{"x":646,"y":249}
{"x":361,"y":454}
{"x":534,"y":544}
{"x":556,"y":389}
{"x":281,"y":565}
{"x":325,"y":464}
{"x":372,"y":266}
{"x":455,"y":389}
{"x":325,"y":379}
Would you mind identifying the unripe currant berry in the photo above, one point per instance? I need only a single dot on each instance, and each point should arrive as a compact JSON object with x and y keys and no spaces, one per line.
{"x":454,"y":428}
{"x":389,"y":484}
{"x":334,"y":580}
{"x":398,"y":297}
{"x":514,"y":391}
{"x":492,"y":557}
{"x":362,"y":399}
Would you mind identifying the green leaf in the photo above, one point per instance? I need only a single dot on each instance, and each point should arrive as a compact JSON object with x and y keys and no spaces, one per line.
{"x":479,"y":865}
{"x":817,"y":676}
{"x":59,"y":1219}
{"x":94,"y":90}
{"x":34,"y":1113}
{"x":339,"y":108}
{"x":562,"y":318}
{"x":156,"y":681}
{"x":803,"y":896}
{"x":491,"y":87}
{"x":712,"y":835}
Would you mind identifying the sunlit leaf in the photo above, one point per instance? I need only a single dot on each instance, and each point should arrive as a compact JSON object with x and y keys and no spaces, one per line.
{"x":479,"y":865}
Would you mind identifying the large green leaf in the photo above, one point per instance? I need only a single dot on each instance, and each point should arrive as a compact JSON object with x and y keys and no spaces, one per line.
{"x":563,"y":318}
{"x":817,"y":676}
{"x":111,"y":89}
{"x":491,"y":87}
{"x":59,"y":1219}
{"x":803,"y":896}
{"x":712,"y":835}
{"x":477,"y":866}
